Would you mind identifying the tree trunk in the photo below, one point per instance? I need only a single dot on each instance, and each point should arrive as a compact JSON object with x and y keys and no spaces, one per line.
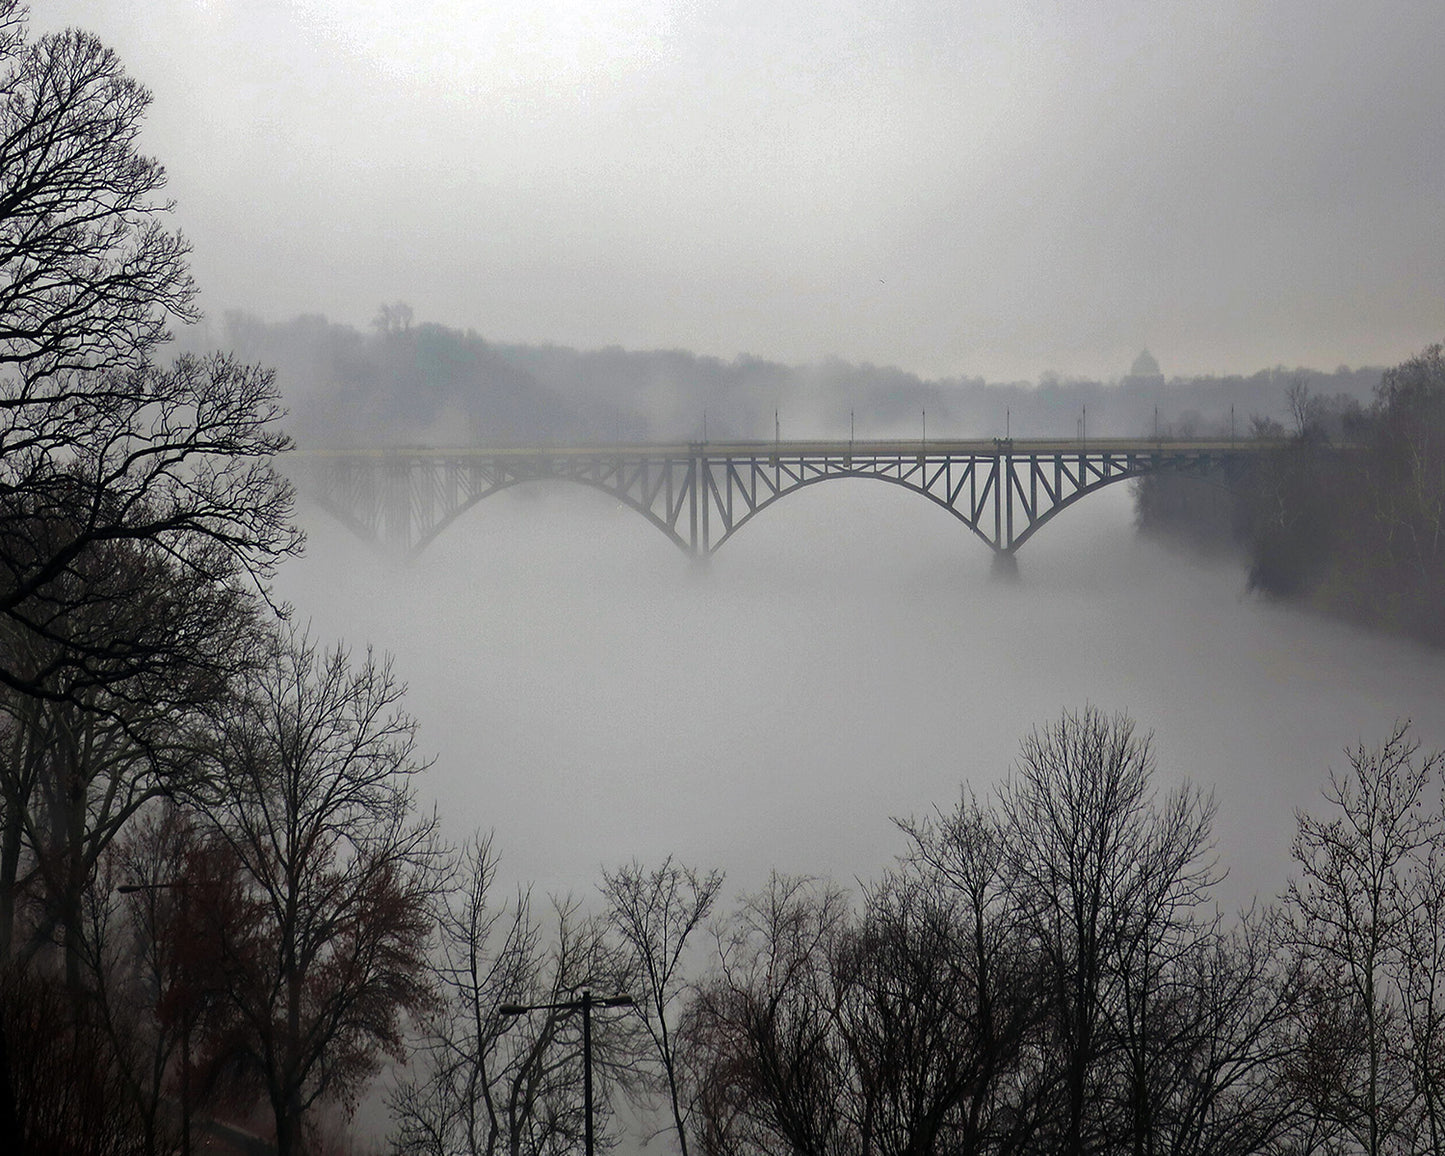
{"x":10,"y":840}
{"x":288,"y":1128}
{"x":10,"y":1138}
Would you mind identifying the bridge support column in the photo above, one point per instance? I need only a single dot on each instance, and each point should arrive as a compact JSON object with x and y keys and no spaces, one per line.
{"x":1005,"y":566}
{"x":699,"y":529}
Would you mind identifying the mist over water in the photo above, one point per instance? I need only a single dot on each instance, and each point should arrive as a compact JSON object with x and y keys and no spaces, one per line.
{"x":594,"y":696}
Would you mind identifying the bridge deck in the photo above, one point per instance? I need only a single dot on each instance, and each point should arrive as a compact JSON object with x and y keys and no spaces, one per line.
{"x":877,"y":447}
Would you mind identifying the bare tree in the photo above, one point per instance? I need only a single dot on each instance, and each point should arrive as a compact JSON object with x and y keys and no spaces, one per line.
{"x":1103,"y":878}
{"x":392,"y":319}
{"x":927,"y":1052}
{"x":69,"y":1092}
{"x":489,"y":955}
{"x":90,"y":278}
{"x":1404,"y":484}
{"x":99,"y":446}
{"x":1419,"y":974}
{"x":959,"y":861}
{"x":488,"y":1084}
{"x":139,"y":948}
{"x":763,"y":1044}
{"x":82,"y":763}
{"x":169,"y":469}
{"x":1219,"y":1047}
{"x":1306,"y":410}
{"x":897,"y":1029}
{"x":1355,"y":915}
{"x":656,"y":912}
{"x":543,"y":1102}
{"x":325,"y":950}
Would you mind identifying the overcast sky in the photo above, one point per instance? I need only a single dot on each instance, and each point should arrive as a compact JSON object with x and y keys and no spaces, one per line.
{"x":997,"y":187}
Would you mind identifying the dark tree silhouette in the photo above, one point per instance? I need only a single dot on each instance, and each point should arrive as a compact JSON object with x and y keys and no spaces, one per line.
{"x":325,"y":947}
{"x":763,"y":1050}
{"x":173,"y":471}
{"x":91,"y":276}
{"x":97,"y":444}
{"x":1106,"y":881}
{"x":69,"y":1090}
{"x":80,"y":765}
{"x":1362,"y":925}
{"x":656,"y":913}
{"x":1347,"y":513}
{"x":959,"y":867}
{"x":484,"y":1084}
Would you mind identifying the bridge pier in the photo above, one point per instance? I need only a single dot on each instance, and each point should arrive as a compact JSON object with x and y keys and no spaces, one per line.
{"x":1005,"y":567}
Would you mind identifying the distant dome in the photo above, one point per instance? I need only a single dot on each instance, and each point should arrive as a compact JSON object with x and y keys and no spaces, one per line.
{"x":1145,"y":366}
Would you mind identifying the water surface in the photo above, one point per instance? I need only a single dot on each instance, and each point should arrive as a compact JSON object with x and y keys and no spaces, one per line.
{"x":592,"y":695}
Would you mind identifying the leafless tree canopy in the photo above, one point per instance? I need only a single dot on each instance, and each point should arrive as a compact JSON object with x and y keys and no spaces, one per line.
{"x":99,"y":445}
{"x":1040,"y":975}
{"x":308,"y":794}
{"x":485,"y":1084}
{"x":656,"y":913}
{"x":90,"y":277}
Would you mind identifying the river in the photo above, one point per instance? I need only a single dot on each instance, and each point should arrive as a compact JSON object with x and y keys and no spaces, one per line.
{"x":593,"y":696}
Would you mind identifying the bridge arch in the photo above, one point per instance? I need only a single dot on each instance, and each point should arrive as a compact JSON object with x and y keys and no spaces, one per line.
{"x":807,"y":483}
{"x":430,"y":535}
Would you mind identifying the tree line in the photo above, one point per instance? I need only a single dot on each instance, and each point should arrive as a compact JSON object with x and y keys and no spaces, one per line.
{"x":1045,"y":969}
{"x":1347,"y":514}
{"x":407,"y":381}
{"x":213,"y":874}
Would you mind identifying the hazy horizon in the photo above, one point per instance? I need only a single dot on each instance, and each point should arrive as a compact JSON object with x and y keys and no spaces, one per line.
{"x":1003,"y":190}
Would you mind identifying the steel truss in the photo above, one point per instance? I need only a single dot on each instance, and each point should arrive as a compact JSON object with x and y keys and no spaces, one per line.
{"x":700,"y":494}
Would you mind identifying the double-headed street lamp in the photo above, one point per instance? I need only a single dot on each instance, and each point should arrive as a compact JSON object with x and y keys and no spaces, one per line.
{"x":181,"y":886}
{"x":586,"y":1002}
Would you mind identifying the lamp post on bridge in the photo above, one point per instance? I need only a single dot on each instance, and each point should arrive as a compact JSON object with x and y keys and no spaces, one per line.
{"x":585,"y":1003}
{"x":183,"y":887}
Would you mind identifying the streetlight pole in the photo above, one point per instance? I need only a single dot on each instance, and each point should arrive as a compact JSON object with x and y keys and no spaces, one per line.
{"x":181,"y":886}
{"x":585,"y":1003}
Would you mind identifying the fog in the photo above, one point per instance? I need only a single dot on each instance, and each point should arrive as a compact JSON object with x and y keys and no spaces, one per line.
{"x":997,"y":188}
{"x":648,"y":220}
{"x":594,"y":696}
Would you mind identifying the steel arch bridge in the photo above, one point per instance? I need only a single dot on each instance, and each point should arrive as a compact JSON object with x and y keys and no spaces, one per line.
{"x":702,"y":493}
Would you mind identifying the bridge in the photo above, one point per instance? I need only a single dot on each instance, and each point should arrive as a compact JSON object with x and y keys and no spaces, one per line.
{"x":702,"y":493}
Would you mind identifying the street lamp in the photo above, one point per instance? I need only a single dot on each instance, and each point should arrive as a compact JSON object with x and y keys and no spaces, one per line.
{"x":181,"y":886}
{"x":587,"y":1001}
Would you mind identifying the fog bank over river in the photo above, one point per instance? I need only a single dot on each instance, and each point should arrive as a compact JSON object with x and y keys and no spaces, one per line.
{"x":593,"y":696}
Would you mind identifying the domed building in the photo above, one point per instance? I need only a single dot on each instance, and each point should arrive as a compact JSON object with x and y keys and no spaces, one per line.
{"x":1144,"y":373}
